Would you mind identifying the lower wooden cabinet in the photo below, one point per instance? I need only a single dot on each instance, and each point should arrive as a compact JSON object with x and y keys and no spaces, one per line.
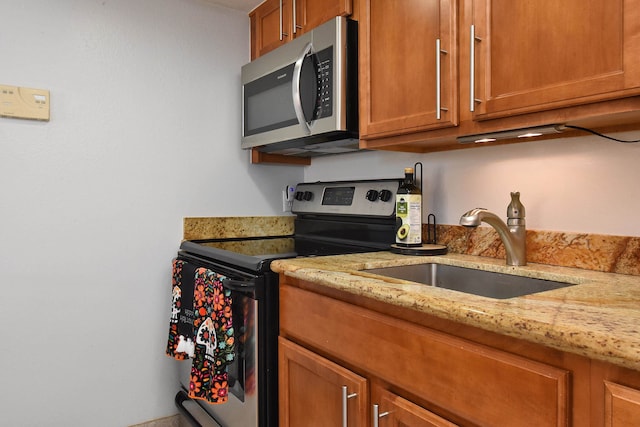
{"x":315,"y":392}
{"x":451,"y":379}
{"x":391,"y":410}
{"x":621,"y":406}
{"x":418,"y":371}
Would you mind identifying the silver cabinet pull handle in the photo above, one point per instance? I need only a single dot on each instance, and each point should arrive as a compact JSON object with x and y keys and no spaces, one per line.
{"x":472,"y":69}
{"x":282,"y":33}
{"x":346,"y":396}
{"x":295,"y":24}
{"x":438,"y":78}
{"x":377,"y":415}
{"x":280,"y":20}
{"x":439,"y":52}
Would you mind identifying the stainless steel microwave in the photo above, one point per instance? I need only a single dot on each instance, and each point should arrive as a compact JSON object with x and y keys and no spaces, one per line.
{"x":301,"y":99}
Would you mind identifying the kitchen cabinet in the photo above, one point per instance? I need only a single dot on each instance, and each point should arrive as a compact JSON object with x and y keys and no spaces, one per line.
{"x":269,"y":26}
{"x":276,"y":22}
{"x":508,"y":65}
{"x":394,"y":411}
{"x":622,"y":405}
{"x":312,"y":13}
{"x":408,"y":58}
{"x":535,"y":56}
{"x":616,"y":395}
{"x":433,"y":376}
{"x":317,"y":392}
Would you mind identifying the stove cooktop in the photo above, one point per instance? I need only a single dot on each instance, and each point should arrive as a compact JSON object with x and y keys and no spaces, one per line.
{"x":332,"y":218}
{"x":256,"y":253}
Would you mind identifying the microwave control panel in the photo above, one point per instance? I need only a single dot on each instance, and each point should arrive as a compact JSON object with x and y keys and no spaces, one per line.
{"x":325,"y":83}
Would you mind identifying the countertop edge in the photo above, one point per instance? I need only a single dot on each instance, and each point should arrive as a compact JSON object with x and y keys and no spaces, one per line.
{"x":596,"y":318}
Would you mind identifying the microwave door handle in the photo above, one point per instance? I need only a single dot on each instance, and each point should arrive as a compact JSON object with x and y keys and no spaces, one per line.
{"x":297,"y":96}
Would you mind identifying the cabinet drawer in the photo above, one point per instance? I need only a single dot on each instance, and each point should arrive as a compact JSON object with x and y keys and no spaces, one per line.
{"x":478,"y":383}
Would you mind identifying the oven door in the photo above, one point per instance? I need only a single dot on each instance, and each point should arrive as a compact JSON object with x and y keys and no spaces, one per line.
{"x":242,"y":407}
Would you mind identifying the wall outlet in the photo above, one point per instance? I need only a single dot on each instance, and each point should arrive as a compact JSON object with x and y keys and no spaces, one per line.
{"x":287,"y":197}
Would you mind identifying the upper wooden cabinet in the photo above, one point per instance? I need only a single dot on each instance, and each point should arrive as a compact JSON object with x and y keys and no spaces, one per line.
{"x":434,"y":70}
{"x":539,"y":55}
{"x":312,"y":13}
{"x":502,"y":65}
{"x":269,"y":26}
{"x":407,"y":66}
{"x":276,"y":22}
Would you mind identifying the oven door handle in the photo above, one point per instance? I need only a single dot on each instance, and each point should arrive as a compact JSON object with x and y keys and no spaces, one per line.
{"x":239,"y":285}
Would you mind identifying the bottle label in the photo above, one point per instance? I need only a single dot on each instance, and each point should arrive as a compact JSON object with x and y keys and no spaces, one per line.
{"x":409,"y":215}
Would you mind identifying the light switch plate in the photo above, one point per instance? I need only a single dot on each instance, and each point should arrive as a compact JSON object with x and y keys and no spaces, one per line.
{"x":24,"y":103}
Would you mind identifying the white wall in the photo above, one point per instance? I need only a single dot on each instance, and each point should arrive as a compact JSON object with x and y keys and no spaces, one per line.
{"x":582,"y":184}
{"x":144,"y":131}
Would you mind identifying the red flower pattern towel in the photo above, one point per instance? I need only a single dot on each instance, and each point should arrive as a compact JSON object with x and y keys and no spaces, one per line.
{"x":181,"y":323}
{"x":212,"y":331}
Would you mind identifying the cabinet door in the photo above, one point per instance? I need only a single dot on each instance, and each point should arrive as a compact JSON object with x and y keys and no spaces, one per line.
{"x":622,"y":406}
{"x":315,"y":392}
{"x":308,"y":14}
{"x":545,"y":54}
{"x":402,"y":88}
{"x":479,"y":384}
{"x":394,"y":411}
{"x":270,"y":26}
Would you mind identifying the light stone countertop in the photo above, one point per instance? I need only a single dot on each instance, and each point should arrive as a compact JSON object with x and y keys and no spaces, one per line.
{"x":598,"y":318}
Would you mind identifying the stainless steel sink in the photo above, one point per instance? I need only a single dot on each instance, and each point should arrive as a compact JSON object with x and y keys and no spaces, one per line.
{"x":477,"y":282}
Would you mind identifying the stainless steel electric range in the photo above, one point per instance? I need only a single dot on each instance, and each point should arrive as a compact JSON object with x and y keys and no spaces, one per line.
{"x":331,"y":218}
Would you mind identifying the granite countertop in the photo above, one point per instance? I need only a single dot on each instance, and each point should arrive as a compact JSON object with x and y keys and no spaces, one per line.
{"x":598,"y":318}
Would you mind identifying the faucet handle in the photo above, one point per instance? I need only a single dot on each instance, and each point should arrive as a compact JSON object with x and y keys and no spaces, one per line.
{"x":515,"y":210}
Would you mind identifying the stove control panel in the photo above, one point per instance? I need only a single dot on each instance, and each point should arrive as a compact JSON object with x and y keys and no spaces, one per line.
{"x":357,"y":198}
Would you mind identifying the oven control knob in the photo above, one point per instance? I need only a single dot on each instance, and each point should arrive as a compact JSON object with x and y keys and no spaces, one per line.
{"x":372,"y":195}
{"x":308,"y":195}
{"x":299,"y":196}
{"x":385,"y":195}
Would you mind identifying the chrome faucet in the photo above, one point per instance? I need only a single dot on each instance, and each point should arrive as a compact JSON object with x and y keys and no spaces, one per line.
{"x":513,"y":234}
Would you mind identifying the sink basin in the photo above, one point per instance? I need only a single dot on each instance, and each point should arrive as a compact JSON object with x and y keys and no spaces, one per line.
{"x":468,"y":280}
